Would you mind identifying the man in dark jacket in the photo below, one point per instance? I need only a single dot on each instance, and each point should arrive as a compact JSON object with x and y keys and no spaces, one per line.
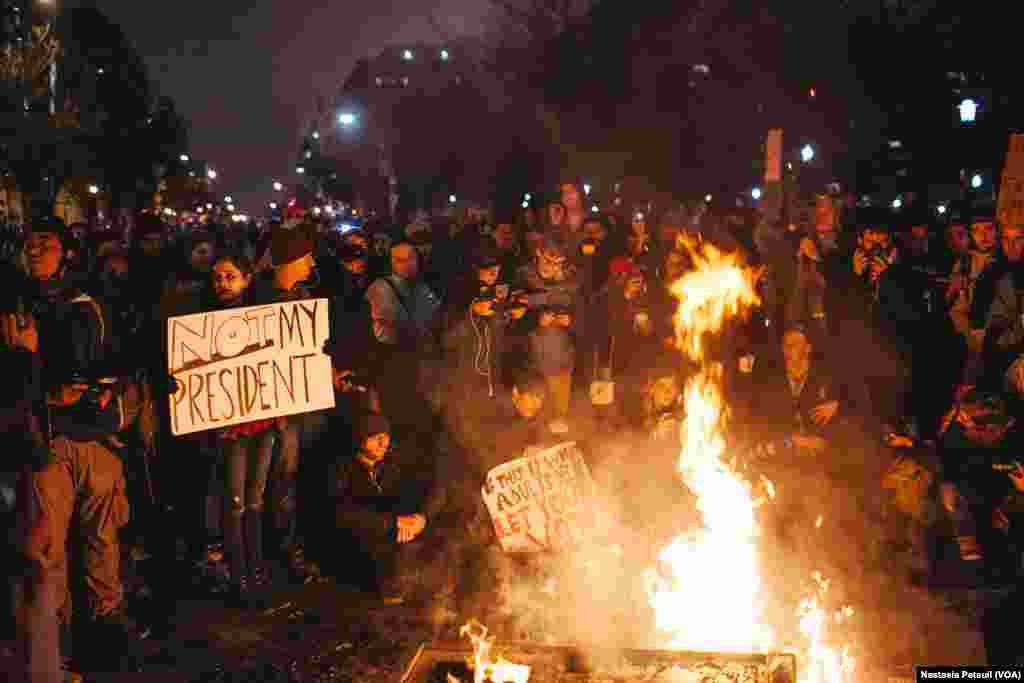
{"x":79,"y":487}
{"x":385,"y":505}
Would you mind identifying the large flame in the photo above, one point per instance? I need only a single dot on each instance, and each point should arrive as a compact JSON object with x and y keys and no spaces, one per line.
{"x":485,"y":667}
{"x":706,"y":590}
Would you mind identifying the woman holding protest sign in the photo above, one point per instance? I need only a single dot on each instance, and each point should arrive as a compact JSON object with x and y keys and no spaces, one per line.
{"x":247,"y":450}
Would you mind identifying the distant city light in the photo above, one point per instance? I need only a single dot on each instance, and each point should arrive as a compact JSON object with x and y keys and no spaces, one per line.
{"x":407,"y":55}
{"x":228,"y":200}
{"x":316,"y":135}
{"x":169,"y":211}
{"x":527,"y":197}
{"x":273,"y":206}
{"x":976,"y":181}
{"x":452,"y":199}
{"x":316,"y":210}
{"x":278,"y":186}
{"x":209,"y":206}
{"x":594,"y":209}
{"x":94,"y":189}
{"x":309,"y":154}
{"x":445,"y":56}
{"x":300,"y":170}
{"x":807,"y":153}
{"x":184,"y":158}
{"x":968,"y":110}
{"x":708,"y":198}
{"x":347,"y":118}
{"x":897,"y":203}
{"x":756,"y":193}
{"x":526,"y":205}
{"x":813,"y":93}
{"x":586,"y":188}
{"x":941,"y":208}
{"x":231,"y":207}
{"x":211,"y":174}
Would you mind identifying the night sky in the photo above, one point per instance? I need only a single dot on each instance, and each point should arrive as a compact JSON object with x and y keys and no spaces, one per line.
{"x":246,"y":73}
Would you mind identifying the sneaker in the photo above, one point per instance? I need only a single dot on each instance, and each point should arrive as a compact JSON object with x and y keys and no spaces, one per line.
{"x":118,"y":622}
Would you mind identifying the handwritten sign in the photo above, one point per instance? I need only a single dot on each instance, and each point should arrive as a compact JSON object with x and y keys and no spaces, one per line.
{"x":242,"y":364}
{"x":543,"y":501}
{"x":1010,"y":209}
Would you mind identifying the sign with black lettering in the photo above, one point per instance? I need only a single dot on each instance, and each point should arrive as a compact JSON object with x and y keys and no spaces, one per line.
{"x":243,"y":364}
{"x":541,"y":502}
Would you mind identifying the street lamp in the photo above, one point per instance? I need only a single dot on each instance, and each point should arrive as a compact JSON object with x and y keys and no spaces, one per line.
{"x":94,"y":190}
{"x":347,"y":118}
{"x":278,"y":187}
{"x":807,"y":153}
{"x":452,"y":199}
{"x":184,"y":158}
{"x":941,"y":208}
{"x":229,"y":200}
{"x":976,"y":181}
{"x":273,"y":206}
{"x":231,"y":208}
{"x":407,"y":55}
{"x":316,"y":135}
{"x":445,"y":56}
{"x":586,"y":189}
{"x":968,"y":110}
{"x":301,"y":170}
{"x":897,"y":203}
{"x":756,"y":193}
{"x":209,"y":206}
{"x":211,"y":174}
{"x":708,"y":198}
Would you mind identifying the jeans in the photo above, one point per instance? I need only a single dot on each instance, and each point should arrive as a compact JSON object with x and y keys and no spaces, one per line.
{"x":285,"y":481}
{"x":247,"y":463}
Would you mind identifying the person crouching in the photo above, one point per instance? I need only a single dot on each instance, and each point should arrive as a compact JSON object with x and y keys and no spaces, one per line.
{"x":384,"y":500}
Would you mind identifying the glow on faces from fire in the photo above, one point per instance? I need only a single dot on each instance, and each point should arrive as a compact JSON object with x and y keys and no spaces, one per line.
{"x":706,"y":590}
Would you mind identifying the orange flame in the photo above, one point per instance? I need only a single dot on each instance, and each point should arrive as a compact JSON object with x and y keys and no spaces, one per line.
{"x":485,"y":668}
{"x":706,"y":591}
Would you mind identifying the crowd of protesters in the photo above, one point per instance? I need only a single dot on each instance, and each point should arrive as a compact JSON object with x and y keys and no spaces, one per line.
{"x":456,"y":345}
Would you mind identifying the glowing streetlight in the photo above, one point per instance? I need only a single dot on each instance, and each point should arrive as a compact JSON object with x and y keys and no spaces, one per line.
{"x":273,"y":206}
{"x":756,"y":193}
{"x":941,"y":208}
{"x":316,"y":210}
{"x":976,"y":181}
{"x":229,"y":200}
{"x":527,"y":197}
{"x":301,"y":170}
{"x":452,"y":199}
{"x":168,"y":211}
{"x":407,"y":55}
{"x":94,"y":189}
{"x":316,"y":135}
{"x":897,"y":203}
{"x":708,"y":198}
{"x":526,"y":205}
{"x":968,"y":110}
{"x":278,"y":187}
{"x":209,"y":206}
{"x":347,"y":118}
{"x":586,"y":189}
{"x":807,"y":153}
{"x":594,"y":209}
{"x":211,"y":174}
{"x":184,"y":158}
{"x":231,"y":208}
{"x":445,"y":56}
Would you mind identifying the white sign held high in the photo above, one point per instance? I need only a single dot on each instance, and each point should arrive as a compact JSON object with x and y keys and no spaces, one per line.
{"x":542,"y":502}
{"x":243,"y":364}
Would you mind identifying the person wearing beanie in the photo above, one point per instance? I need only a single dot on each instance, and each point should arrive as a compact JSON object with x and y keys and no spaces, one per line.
{"x":385,"y":500}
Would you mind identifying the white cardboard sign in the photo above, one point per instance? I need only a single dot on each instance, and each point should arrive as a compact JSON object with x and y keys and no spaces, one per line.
{"x":238,"y":365}
{"x":542,"y":502}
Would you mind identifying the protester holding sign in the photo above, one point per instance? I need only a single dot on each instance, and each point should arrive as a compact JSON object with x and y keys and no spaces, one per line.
{"x":247,"y":450}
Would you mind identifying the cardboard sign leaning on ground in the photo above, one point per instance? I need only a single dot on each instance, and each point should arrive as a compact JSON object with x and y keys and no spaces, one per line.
{"x":542,"y":502}
{"x":243,"y":364}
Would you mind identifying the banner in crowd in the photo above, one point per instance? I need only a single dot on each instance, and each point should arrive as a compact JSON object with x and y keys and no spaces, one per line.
{"x":541,"y":502}
{"x":1010,"y":209}
{"x":243,"y":364}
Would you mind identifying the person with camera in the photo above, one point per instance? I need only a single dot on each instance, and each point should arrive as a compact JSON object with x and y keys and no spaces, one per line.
{"x":78,"y":486}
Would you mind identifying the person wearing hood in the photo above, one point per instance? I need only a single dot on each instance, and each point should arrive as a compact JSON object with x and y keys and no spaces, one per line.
{"x":182,"y":292}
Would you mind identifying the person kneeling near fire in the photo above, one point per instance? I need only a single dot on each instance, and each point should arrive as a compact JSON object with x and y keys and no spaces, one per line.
{"x":385,"y":499}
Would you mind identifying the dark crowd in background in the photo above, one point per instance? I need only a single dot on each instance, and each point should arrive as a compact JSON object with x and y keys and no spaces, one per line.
{"x":885,"y":355}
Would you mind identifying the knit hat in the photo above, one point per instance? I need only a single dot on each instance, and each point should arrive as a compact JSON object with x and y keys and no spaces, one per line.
{"x":290,"y":241}
{"x":370,"y":424}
